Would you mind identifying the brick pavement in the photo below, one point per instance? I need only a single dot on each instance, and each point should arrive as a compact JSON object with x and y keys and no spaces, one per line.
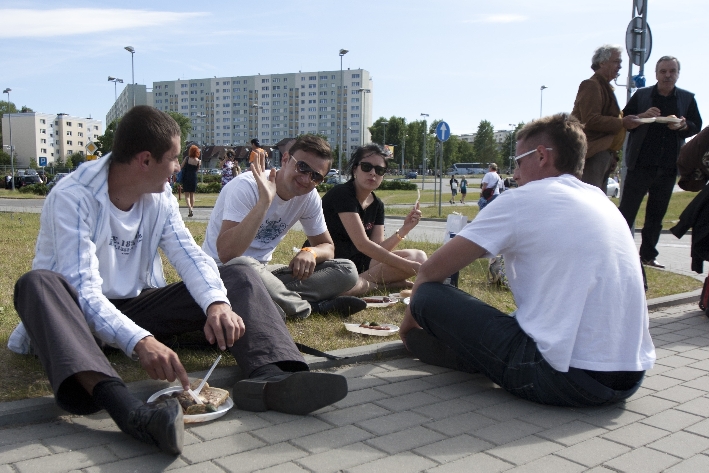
{"x":405,"y":416}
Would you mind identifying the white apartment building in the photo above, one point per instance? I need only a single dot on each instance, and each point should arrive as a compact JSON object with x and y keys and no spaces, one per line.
{"x":233,"y":110}
{"x":499,"y":136}
{"x":125,"y":101}
{"x":48,"y":135}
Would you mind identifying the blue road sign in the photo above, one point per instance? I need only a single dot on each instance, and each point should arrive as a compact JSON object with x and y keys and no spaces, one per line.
{"x":42,"y":161}
{"x":443,"y":131}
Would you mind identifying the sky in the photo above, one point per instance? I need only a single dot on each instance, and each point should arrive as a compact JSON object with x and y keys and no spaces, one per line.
{"x":461,"y":61}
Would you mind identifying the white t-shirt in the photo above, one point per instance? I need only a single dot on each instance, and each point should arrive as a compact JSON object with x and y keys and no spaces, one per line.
{"x":492,"y":179}
{"x":574,"y":272}
{"x":240,"y":195}
{"x":120,"y":258}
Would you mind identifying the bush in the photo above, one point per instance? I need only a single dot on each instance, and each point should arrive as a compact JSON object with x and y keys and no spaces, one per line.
{"x":38,"y":189}
{"x":211,"y":188}
{"x":397,"y":185}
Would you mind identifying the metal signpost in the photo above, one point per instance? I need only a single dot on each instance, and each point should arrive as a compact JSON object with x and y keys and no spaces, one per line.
{"x":443,"y":133}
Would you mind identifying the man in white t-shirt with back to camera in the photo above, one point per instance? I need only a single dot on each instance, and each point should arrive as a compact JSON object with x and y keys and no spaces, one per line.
{"x":579,"y":336}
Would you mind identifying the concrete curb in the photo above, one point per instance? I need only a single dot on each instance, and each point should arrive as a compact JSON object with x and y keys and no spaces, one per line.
{"x":44,"y":409}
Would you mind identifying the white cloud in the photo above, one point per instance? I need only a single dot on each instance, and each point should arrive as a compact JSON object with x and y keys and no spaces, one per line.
{"x":19,"y":23}
{"x":498,"y":19}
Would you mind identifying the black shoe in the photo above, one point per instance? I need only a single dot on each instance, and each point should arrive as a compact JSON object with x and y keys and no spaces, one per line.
{"x":159,"y":423}
{"x":343,"y":305}
{"x":653,"y":262}
{"x":298,"y":393}
{"x":432,"y":351}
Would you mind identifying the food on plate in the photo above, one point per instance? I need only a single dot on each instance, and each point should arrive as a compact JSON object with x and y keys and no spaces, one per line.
{"x":405,"y":293}
{"x":374,"y":326}
{"x":378,"y":299}
{"x":211,"y":397}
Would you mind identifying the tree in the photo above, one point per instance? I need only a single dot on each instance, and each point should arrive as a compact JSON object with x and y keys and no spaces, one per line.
{"x":105,"y":141}
{"x":4,"y":158}
{"x":75,"y":159}
{"x":33,"y":163}
{"x":26,"y":109}
{"x":185,"y":127}
{"x":395,"y":132}
{"x":6,"y":107}
{"x":508,"y":146}
{"x":484,"y":145}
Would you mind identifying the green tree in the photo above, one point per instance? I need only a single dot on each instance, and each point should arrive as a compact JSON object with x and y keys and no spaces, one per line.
{"x":396,"y":130}
{"x":26,"y":109}
{"x":105,"y":141}
{"x":76,"y":159}
{"x":33,"y":163}
{"x":4,"y":157}
{"x":508,"y":147}
{"x":484,"y":146}
{"x":68,"y":162}
{"x":185,"y":127}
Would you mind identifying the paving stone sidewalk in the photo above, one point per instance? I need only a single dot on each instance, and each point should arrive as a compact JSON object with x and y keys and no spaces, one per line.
{"x":404,"y":416}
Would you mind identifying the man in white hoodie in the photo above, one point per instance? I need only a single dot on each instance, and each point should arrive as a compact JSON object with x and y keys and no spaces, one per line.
{"x":97,"y":277}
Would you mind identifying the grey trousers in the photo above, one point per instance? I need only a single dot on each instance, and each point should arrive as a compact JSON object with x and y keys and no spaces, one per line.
{"x":60,"y":336}
{"x":597,"y":168}
{"x":330,"y":279}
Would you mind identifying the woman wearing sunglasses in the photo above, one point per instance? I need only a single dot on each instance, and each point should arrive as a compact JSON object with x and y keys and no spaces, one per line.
{"x":355,"y":220}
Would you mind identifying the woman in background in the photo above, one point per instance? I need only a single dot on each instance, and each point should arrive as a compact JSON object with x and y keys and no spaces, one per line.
{"x":355,"y":219}
{"x":190,"y":166}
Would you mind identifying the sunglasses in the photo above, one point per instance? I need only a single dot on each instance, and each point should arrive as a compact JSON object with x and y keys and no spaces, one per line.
{"x":303,"y":168}
{"x":366,"y":167}
{"x":520,"y":156}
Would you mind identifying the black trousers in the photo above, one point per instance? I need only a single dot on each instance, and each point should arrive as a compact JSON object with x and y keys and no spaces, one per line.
{"x":61,"y":337}
{"x":657,"y":183}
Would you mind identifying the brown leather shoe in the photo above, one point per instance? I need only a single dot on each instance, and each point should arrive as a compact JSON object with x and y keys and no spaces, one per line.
{"x":654,"y":263}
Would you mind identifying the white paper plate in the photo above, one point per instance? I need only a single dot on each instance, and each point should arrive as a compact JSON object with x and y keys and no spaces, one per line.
{"x":193,"y":419}
{"x":647,"y":120}
{"x":395,"y":295}
{"x":406,"y":300}
{"x":368,"y":331}
{"x":667,"y":120}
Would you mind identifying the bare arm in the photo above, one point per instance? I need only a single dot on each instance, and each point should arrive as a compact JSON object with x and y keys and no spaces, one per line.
{"x":451,"y":257}
{"x":303,"y":263}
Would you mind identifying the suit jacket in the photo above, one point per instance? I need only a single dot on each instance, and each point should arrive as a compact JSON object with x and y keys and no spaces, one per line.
{"x":597,"y":109}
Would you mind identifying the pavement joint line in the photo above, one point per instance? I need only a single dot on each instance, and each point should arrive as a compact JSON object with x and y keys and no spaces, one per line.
{"x":44,"y":409}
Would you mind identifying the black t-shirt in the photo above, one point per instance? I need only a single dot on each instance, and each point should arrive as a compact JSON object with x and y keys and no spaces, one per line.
{"x":342,"y":198}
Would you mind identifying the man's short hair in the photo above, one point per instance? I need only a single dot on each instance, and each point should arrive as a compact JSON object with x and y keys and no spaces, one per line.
{"x":603,"y":54}
{"x":256,"y":142}
{"x":667,"y":58}
{"x":312,"y":144}
{"x":562,"y":132}
{"x":493,"y":166}
{"x":143,"y":128}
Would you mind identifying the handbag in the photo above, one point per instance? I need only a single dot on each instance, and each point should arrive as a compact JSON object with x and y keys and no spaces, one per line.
{"x":487,"y":193}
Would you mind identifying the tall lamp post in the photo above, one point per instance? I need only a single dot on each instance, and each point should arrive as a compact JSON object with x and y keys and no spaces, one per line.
{"x":9,"y":123}
{"x":512,"y":143}
{"x":423,"y":159}
{"x":342,"y":107}
{"x":541,"y":99}
{"x":384,"y":140}
{"x":131,"y":50}
{"x":364,"y":114}
{"x":115,"y":87}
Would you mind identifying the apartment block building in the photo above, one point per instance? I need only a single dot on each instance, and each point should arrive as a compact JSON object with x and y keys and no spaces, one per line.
{"x":125,"y":101}
{"x":48,"y":135}
{"x":233,"y":110}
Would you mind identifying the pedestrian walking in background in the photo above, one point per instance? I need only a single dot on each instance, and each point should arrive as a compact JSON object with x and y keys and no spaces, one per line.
{"x":454,"y":188}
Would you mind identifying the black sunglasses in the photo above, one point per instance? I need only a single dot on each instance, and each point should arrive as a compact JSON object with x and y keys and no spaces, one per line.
{"x":303,"y":168}
{"x":379,"y":170}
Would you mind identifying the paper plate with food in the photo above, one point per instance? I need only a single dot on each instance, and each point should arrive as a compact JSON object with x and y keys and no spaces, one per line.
{"x":215,"y":402}
{"x":373,"y":328}
{"x":379,"y":301}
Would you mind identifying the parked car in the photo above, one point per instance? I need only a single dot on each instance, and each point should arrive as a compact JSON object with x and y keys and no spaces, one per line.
{"x":613,"y":188}
{"x":216,"y":172}
{"x":412,"y":175}
{"x":57,"y":177}
{"x":333,"y":172}
{"x":335,"y":180}
{"x":24,"y":180}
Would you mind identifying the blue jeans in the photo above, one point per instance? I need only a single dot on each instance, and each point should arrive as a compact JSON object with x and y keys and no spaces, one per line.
{"x":494,"y":343}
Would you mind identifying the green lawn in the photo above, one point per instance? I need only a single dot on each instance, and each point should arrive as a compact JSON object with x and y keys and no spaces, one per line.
{"x":23,"y":377}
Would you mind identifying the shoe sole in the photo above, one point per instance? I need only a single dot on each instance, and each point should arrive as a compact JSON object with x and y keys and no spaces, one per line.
{"x":300,"y":393}
{"x":174,"y":433}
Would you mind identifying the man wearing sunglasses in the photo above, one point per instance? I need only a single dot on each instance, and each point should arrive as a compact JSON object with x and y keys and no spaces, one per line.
{"x":255,"y":211}
{"x":579,"y":336}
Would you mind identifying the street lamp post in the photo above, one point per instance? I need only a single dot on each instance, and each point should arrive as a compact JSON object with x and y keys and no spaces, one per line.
{"x":12,"y":151}
{"x":342,"y":106}
{"x":512,"y":143}
{"x":364,"y":113}
{"x":384,"y":140}
{"x":403,"y":152}
{"x":541,"y":99}
{"x":115,"y":88}
{"x":131,"y":50}
{"x":423,"y":159}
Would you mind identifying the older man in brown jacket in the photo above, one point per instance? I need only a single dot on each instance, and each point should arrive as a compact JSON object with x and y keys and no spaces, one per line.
{"x":597,"y":109}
